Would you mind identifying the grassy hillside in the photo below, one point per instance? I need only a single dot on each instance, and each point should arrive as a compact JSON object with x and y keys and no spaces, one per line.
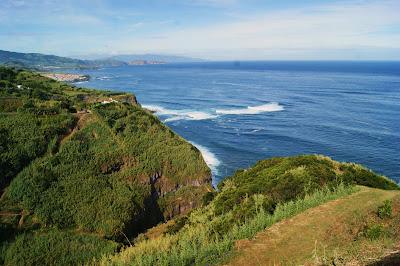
{"x":90,"y":173}
{"x":361,"y":229}
{"x":248,"y":202}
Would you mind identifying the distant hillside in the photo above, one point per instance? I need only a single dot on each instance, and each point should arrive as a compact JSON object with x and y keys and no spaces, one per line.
{"x":42,"y":61}
{"x":155,"y":58}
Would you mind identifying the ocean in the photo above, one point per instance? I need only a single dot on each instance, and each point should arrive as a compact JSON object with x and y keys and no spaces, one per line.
{"x":237,"y":113}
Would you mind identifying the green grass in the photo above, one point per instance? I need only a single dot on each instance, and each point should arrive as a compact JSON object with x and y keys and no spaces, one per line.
{"x":340,"y":232}
{"x":55,"y":247}
{"x":198,"y":244}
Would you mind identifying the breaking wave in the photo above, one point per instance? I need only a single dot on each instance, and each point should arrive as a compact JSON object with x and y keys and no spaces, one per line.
{"x":251,"y":110}
{"x":179,"y":114}
{"x":209,"y":157}
{"x":175,"y":115}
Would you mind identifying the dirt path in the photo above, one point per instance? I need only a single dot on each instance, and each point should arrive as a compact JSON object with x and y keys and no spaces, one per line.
{"x":6,"y":213}
{"x":293,"y":241}
{"x":82,"y":118}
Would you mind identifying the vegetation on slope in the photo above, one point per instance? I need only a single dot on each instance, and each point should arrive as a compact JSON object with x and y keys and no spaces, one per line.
{"x":356,"y":230}
{"x":282,"y":179}
{"x":248,"y":202}
{"x":84,"y":166}
{"x":56,"y":247}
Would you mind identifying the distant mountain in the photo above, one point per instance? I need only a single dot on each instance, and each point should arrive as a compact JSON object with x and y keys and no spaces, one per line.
{"x":43,"y":61}
{"x":154,"y":58}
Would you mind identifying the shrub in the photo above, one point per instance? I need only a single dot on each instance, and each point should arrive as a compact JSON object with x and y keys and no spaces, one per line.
{"x":208,"y":197}
{"x":374,"y":231}
{"x":177,"y":225}
{"x":283,"y":179}
{"x":385,"y":211}
{"x":55,"y":247}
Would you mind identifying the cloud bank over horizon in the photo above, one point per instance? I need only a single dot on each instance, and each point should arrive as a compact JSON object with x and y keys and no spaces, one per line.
{"x":210,"y":29}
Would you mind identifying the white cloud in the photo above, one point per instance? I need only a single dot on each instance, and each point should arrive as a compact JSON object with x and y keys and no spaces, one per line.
{"x":17,"y":3}
{"x":324,"y":27}
{"x":215,"y":3}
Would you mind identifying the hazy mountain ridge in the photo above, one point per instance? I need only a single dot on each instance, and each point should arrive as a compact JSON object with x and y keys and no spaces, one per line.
{"x":49,"y":62}
{"x":154,"y":58}
{"x":44,"y":61}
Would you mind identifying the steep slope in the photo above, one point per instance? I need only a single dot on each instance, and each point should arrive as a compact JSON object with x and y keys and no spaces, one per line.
{"x":84,"y":165}
{"x":248,"y":202}
{"x":331,"y":233}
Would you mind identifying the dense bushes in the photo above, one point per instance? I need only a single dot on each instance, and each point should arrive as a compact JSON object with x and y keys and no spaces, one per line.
{"x":86,"y":172}
{"x":284,"y":179}
{"x":94,"y":181}
{"x":155,"y":147}
{"x":24,"y":137}
{"x":55,"y":247}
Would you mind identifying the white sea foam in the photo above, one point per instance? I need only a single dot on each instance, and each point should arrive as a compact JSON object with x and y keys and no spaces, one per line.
{"x":179,"y":114}
{"x":175,"y":115}
{"x":251,"y":110}
{"x":159,"y":110}
{"x":209,"y":157}
{"x":230,"y":84}
{"x":104,"y":78}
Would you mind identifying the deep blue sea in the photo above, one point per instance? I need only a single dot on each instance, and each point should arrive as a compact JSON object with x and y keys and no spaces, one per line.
{"x":239,"y":112}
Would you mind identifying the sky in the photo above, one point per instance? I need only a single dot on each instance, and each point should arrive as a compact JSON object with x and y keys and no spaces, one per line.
{"x":209,"y":29}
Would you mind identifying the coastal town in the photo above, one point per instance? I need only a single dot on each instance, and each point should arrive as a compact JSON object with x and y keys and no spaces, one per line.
{"x":145,"y":62}
{"x":66,"y":77}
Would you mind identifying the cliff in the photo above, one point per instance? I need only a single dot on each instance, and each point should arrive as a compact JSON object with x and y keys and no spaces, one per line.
{"x":89,"y":163}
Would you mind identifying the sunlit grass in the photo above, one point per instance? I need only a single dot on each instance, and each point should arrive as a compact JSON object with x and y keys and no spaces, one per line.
{"x":197,"y":244}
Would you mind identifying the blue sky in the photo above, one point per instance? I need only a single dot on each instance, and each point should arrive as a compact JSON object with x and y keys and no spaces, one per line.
{"x":211,"y":29}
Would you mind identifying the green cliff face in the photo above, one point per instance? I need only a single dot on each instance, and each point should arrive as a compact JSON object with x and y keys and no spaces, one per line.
{"x":86,"y":164}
